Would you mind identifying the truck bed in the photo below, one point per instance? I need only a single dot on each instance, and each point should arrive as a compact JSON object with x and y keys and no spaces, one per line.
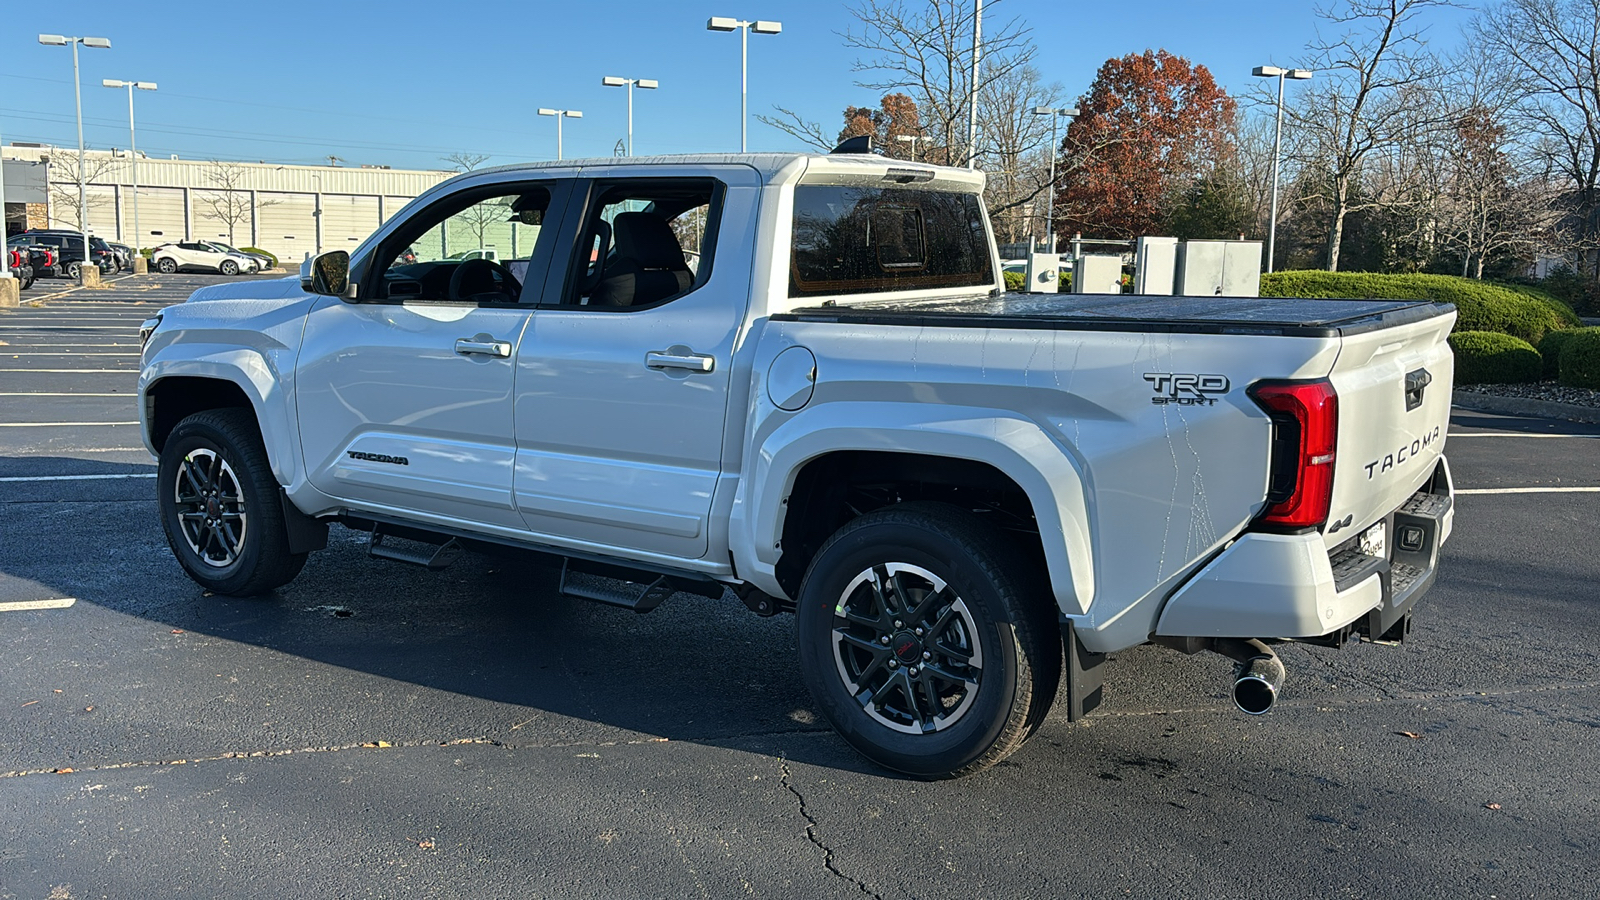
{"x":1294,"y":317}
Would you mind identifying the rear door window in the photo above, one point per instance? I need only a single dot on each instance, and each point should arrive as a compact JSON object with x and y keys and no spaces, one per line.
{"x":857,"y":240}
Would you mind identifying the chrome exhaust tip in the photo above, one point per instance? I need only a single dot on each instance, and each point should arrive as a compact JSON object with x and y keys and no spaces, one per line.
{"x":1256,"y":683}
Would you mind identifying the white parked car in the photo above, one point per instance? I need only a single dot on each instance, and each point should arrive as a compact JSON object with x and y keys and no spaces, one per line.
{"x":169,"y":258}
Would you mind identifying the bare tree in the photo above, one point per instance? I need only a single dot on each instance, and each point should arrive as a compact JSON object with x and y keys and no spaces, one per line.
{"x":65,"y":180}
{"x":813,"y":134}
{"x":1370,"y":96}
{"x":924,"y":48}
{"x":462,"y":161}
{"x":1014,"y":148}
{"x":1548,"y":53}
{"x":229,"y":203}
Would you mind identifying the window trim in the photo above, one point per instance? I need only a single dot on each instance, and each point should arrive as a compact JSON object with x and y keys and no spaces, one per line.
{"x":573,"y":233}
{"x":560,"y":188}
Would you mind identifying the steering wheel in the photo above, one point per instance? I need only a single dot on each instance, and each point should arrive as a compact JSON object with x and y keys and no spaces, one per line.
{"x":490,"y":272}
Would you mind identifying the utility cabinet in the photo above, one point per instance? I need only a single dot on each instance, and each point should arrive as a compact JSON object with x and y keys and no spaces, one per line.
{"x":1219,"y":269}
{"x":1097,"y":273}
{"x":1044,"y":273}
{"x":1155,"y":265}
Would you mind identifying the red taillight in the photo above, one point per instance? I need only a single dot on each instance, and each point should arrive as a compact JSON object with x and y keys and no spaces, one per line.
{"x":1305,"y":418}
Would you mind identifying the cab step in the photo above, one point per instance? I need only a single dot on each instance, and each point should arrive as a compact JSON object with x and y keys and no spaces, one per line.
{"x":414,"y":550}
{"x":634,"y":589}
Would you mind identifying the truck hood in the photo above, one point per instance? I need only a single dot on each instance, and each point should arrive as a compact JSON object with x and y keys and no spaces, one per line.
{"x":275,"y":289}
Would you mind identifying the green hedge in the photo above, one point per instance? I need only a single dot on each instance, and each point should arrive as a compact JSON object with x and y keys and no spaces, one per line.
{"x":1517,"y":310}
{"x":1580,"y":359}
{"x":272,"y":256}
{"x":1015,"y":281}
{"x":1486,"y":357}
{"x":1550,"y":349}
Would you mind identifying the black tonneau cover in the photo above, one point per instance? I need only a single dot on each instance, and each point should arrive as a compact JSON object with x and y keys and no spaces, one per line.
{"x":1126,"y":312}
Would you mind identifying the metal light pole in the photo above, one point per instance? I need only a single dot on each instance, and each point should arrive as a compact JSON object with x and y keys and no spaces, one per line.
{"x":1050,"y":214}
{"x":648,"y":84}
{"x":5,"y":238}
{"x":972,"y":97}
{"x":57,"y":40}
{"x":560,"y":114}
{"x":1277,"y":149}
{"x":722,"y":23}
{"x":133,"y":147}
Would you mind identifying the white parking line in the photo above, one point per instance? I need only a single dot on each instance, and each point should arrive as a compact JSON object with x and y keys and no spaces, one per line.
{"x":58,"y":424}
{"x":3,"y":353}
{"x":58,"y":394}
{"x":1531,"y":490}
{"x":1512,"y":434}
{"x":79,"y":371}
{"x":21,"y":605}
{"x":19,"y":479}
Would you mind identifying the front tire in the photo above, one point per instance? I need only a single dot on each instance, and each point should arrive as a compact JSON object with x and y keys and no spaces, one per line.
{"x":167,"y":265}
{"x":228,"y":267}
{"x":220,"y":507}
{"x":928,"y":640}
{"x":74,"y":270}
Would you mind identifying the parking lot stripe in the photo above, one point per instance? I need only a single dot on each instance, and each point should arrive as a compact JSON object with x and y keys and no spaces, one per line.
{"x":1531,"y":490}
{"x":21,"y":605}
{"x":1513,"y":434}
{"x":58,"y":424}
{"x":79,"y":371}
{"x":2,"y":353}
{"x":17,"y":479}
{"x":57,"y":393}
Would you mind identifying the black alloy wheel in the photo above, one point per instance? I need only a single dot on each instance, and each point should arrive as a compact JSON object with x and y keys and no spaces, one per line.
{"x":220,"y":505}
{"x":928,"y":639}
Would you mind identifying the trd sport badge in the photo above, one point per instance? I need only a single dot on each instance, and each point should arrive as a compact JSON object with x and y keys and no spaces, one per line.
{"x":1186,"y":390}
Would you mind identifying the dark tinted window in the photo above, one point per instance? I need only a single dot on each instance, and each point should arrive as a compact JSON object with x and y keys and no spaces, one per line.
{"x":854,"y":240}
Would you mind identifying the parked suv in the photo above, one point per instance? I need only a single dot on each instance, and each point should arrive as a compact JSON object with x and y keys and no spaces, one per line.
{"x":21,"y":267}
{"x":69,"y":250}
{"x":192,"y":255}
{"x":42,"y":259}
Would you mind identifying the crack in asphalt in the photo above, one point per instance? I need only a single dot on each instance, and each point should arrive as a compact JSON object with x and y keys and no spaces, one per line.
{"x":381,"y":745}
{"x":811,"y":832}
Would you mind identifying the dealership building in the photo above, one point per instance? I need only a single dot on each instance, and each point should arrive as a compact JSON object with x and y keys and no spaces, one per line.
{"x":287,"y":210}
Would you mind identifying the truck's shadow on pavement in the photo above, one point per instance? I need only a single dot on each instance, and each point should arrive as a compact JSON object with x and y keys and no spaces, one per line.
{"x":488,"y":628}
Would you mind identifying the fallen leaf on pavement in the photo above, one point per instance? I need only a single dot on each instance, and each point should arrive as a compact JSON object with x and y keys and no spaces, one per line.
{"x":425,"y":844}
{"x":1491,"y":806}
{"x":63,"y":771}
{"x":1410,"y":734}
{"x":30,"y":703}
{"x":177,"y":631}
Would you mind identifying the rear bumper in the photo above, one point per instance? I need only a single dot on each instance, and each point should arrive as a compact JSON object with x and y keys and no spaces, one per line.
{"x":1290,"y":586}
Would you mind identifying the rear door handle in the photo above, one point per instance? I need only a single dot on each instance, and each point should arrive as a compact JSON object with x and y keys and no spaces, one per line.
{"x":680,"y":358}
{"x":477,"y":346}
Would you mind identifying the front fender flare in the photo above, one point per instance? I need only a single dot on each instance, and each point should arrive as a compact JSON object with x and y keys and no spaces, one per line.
{"x":250,"y":371}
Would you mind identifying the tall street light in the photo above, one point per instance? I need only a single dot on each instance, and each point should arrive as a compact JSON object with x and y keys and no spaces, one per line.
{"x":1277,"y":149}
{"x":722,"y":23}
{"x":133,"y":148}
{"x":560,"y":114}
{"x":1056,"y":115}
{"x":99,"y":43}
{"x":648,"y":84}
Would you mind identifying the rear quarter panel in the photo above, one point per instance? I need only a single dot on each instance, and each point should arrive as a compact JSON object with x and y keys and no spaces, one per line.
{"x":1131,"y":488}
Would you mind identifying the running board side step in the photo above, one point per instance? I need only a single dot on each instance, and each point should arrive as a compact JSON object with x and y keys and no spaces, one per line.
{"x":413,"y":549}
{"x":633,"y":589}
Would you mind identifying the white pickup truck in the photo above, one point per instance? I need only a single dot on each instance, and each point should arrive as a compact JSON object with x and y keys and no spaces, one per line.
{"x":966,"y":497}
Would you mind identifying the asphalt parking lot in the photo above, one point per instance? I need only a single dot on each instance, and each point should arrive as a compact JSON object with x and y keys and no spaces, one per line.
{"x":375,"y":730}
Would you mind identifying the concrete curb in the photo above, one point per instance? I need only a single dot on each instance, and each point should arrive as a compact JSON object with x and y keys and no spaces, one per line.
{"x":1522,"y":406}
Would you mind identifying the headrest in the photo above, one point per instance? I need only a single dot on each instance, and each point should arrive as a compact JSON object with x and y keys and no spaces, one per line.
{"x":648,"y":240}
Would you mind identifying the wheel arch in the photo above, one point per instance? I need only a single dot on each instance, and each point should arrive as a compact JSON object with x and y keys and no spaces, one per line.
{"x":168,"y":397}
{"x":799,"y":475}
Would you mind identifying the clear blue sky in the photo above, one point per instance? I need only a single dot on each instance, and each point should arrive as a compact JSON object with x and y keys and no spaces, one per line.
{"x":295,"y":81}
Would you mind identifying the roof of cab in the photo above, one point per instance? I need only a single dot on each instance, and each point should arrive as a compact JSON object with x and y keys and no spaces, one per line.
{"x":769,"y":165}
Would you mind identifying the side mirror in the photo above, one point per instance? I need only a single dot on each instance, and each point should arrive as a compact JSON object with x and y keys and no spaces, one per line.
{"x":329,"y":275}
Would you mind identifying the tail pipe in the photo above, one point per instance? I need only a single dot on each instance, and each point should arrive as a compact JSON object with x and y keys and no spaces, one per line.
{"x":1258,"y":675}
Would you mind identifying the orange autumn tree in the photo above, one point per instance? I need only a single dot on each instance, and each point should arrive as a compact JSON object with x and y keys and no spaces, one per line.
{"x":896,"y":115}
{"x":1150,"y":126}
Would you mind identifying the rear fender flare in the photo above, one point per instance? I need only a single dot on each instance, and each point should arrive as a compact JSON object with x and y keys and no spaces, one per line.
{"x":1043,"y":467}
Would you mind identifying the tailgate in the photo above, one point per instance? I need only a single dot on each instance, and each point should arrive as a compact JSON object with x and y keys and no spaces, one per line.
{"x":1394,"y":385}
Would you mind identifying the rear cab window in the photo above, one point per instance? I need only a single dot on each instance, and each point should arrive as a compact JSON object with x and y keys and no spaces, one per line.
{"x":865,"y":239}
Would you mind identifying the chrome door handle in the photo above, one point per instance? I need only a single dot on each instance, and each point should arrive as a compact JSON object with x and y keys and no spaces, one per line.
{"x":474,"y":347}
{"x":679,"y":358}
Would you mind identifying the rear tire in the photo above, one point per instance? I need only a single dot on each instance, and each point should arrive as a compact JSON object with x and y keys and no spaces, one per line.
{"x":220,"y":507}
{"x":928,"y":640}
{"x":74,"y":270}
{"x":167,"y":265}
